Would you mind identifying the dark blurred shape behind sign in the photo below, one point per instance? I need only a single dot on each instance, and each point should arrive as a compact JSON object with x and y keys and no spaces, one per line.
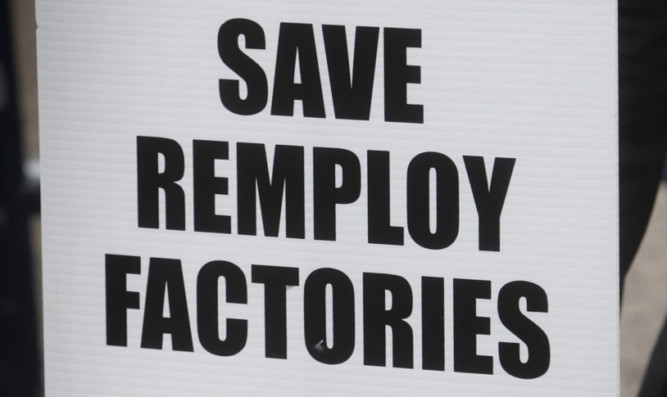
{"x":19,"y":362}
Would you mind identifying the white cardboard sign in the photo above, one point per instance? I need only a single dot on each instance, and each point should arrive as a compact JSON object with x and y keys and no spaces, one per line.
{"x":315,"y":198}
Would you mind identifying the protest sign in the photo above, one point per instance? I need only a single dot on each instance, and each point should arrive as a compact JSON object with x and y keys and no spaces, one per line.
{"x":329,"y":198}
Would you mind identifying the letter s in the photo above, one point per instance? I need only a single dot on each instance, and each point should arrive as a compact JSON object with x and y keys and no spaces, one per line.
{"x":243,"y":65}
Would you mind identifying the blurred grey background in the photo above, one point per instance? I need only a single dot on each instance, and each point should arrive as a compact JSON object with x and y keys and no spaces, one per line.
{"x":645,"y":301}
